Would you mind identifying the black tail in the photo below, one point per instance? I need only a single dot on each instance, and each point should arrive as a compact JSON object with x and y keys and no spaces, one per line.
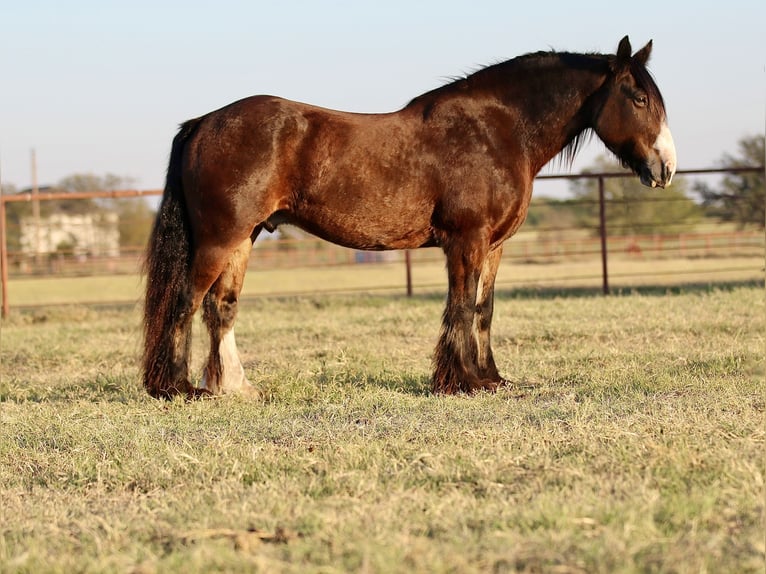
{"x":167,"y":307}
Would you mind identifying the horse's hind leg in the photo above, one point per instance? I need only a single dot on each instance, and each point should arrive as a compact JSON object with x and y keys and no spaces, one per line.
{"x":168,"y":344}
{"x":224,"y":372}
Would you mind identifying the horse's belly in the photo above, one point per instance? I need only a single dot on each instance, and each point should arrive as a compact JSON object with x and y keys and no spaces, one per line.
{"x":378,"y":228}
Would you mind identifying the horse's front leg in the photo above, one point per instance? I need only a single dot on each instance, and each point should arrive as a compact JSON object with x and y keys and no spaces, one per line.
{"x":456,"y":360}
{"x":482,"y":319}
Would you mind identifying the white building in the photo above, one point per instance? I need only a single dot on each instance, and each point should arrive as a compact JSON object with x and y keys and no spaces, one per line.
{"x":90,"y":234}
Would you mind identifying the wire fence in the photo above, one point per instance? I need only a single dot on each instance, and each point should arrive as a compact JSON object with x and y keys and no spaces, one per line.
{"x":592,"y":248}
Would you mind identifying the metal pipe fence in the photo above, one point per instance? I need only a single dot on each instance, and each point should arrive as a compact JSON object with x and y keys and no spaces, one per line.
{"x":546,"y":244}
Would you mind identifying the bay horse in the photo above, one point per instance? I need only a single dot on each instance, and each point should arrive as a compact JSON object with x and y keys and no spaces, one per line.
{"x":454,"y":168}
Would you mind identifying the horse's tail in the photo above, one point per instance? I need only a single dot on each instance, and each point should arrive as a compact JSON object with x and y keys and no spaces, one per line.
{"x":167,"y":306}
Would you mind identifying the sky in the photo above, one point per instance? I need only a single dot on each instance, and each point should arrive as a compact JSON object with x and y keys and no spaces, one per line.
{"x":101,"y":86}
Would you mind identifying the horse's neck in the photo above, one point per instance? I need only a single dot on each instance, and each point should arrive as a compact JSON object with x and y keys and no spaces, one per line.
{"x":557,"y":114}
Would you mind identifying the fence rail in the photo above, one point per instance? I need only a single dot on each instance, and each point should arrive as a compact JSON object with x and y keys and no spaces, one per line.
{"x":558,"y":244}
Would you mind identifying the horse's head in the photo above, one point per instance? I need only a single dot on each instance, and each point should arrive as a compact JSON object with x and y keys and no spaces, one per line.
{"x":632,"y":120}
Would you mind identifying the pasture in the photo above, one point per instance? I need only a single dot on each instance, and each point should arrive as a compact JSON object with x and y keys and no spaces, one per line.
{"x":631,"y":441}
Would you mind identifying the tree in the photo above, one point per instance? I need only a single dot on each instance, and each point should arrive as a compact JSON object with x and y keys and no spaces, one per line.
{"x":91,"y":182}
{"x":633,"y":208}
{"x":11,"y":218}
{"x":136,"y":218}
{"x":739,"y":197}
{"x":85,"y":182}
{"x":549,"y":214}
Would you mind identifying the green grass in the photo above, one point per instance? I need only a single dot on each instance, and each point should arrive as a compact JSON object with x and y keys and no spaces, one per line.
{"x":632,"y":441}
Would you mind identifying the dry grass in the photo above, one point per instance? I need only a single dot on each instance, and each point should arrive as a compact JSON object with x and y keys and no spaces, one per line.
{"x":632,"y":442}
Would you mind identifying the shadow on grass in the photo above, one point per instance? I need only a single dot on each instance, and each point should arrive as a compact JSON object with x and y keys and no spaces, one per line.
{"x":349,"y":379}
{"x":414,"y":385}
{"x":105,"y":389}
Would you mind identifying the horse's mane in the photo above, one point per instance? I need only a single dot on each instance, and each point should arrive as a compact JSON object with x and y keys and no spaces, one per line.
{"x":542,"y":60}
{"x":507,"y":70}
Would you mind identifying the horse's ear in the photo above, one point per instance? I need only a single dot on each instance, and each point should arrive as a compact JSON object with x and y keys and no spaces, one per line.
{"x":642,"y":56}
{"x":624,"y":52}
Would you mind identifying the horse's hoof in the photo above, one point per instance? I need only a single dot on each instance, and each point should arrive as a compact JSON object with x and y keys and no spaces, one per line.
{"x":195,"y":393}
{"x":516,"y":389}
{"x":180,"y":388}
{"x":250,"y":392}
{"x":482,"y":385}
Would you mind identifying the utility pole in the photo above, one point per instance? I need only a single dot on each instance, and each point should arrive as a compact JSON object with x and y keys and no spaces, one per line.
{"x":3,"y":252}
{"x":35,"y":206}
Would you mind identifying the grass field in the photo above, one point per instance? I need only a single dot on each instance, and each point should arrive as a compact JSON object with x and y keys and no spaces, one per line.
{"x":631,"y":441}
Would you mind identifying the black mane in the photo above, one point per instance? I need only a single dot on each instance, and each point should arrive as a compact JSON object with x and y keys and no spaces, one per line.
{"x":492,"y":73}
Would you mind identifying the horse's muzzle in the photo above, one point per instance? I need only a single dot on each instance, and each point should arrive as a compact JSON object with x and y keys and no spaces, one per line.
{"x":658,"y":175}
{"x":659,"y":170}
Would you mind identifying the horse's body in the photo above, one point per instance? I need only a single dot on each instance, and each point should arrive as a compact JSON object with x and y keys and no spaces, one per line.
{"x":454,"y":168}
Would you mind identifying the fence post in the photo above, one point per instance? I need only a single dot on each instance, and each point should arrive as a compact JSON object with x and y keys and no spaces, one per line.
{"x":602,"y":232}
{"x":408,"y":265}
{"x":3,"y":259}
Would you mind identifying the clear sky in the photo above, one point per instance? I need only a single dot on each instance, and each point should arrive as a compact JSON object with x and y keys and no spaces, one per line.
{"x":98,"y":86}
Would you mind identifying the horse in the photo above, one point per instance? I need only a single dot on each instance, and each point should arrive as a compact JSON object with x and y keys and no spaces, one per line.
{"x":454,"y":168}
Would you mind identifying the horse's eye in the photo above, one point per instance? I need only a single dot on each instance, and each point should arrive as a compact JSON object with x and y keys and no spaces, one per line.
{"x":640,"y":100}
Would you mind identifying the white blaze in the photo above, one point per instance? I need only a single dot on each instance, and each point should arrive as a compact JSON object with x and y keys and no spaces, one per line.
{"x":666,"y":150}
